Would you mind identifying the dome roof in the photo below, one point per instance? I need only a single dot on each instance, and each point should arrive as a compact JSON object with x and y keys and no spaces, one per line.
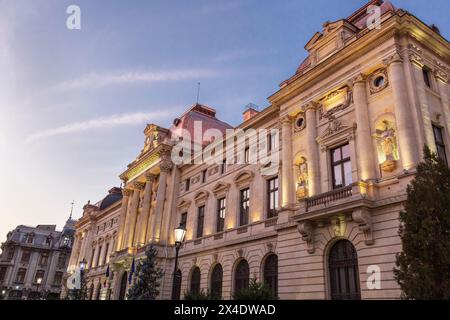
{"x":115,"y":194}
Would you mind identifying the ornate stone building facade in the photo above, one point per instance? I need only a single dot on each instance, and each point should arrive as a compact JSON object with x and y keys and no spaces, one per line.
{"x":95,"y":239}
{"x":352,"y":122}
{"x":33,"y":261}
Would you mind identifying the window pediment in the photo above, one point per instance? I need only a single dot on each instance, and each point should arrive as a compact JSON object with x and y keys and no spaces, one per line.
{"x":244,"y":177}
{"x":221,"y":188}
{"x":184,"y":204}
{"x":336,"y":132}
{"x":201,"y":197}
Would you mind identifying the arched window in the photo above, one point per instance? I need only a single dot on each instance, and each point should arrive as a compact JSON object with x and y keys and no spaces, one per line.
{"x":271,"y":273}
{"x":195,"y":281}
{"x":241,"y":277}
{"x":176,"y":286}
{"x":216,"y":282}
{"x":123,"y":286}
{"x":343,"y":271}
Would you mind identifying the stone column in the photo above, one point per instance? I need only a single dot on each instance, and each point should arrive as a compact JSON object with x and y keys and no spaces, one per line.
{"x":103,"y":254}
{"x":75,"y":252}
{"x":403,"y":116}
{"x":165,"y":168}
{"x":312,"y":151}
{"x":364,"y":144}
{"x":95,"y":257}
{"x":126,"y":193}
{"x":131,"y":222}
{"x":287,"y":172}
{"x":145,"y":213}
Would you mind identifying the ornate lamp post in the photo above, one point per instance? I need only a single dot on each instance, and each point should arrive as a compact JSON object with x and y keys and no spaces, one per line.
{"x":38,"y":284}
{"x":180,"y":232}
{"x":83,"y":264}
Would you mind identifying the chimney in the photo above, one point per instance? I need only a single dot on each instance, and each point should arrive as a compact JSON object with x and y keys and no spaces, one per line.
{"x":251,"y":110}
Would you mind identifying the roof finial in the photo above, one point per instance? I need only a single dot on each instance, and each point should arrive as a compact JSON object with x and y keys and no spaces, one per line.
{"x":198,"y":92}
{"x":71,"y":210}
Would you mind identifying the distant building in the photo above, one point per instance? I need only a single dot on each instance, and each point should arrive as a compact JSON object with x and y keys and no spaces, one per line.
{"x":33,"y":261}
{"x":94,"y":241}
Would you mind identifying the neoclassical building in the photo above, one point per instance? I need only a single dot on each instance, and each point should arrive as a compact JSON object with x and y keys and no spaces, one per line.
{"x":95,"y":237}
{"x":351,"y":124}
{"x":33,"y":261}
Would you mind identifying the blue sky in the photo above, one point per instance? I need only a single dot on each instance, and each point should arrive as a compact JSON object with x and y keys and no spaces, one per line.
{"x":73,"y":104}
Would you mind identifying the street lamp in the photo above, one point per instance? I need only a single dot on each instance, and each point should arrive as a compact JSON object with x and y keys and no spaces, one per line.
{"x":38,"y":283}
{"x":83,"y":264}
{"x":180,"y":232}
{"x":3,"y":294}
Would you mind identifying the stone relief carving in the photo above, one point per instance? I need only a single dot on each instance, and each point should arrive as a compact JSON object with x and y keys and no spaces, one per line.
{"x":364,"y":220}
{"x":387,"y":145}
{"x":336,"y":101}
{"x":302,"y":179}
{"x":306,"y":229}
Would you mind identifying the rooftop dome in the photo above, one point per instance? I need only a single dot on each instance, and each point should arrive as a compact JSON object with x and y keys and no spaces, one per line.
{"x":115,"y":194}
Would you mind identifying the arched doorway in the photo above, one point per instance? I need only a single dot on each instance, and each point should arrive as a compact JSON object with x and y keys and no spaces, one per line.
{"x":343,"y":271}
{"x":216,"y":282}
{"x":270,"y":272}
{"x":195,"y":281}
{"x":241,"y":276}
{"x":123,"y":286}
{"x":176,"y":286}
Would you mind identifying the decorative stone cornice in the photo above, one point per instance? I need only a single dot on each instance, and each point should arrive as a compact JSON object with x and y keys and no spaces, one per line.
{"x":201,"y":197}
{"x":306,"y":229}
{"x":221,"y":188}
{"x":441,"y":75}
{"x":244,"y":177}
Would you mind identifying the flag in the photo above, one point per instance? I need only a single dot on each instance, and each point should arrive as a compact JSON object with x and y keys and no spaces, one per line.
{"x":107,"y":272}
{"x":130,"y":277}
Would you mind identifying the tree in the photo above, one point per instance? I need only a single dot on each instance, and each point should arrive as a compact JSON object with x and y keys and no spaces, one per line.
{"x":148,"y":276}
{"x":202,"y":295}
{"x":423,"y":268}
{"x":79,"y":294}
{"x":255,"y":291}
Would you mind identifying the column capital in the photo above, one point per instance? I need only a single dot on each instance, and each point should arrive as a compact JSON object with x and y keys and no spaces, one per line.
{"x":166,"y":166}
{"x":138,"y":185}
{"x":126,"y":192}
{"x":441,"y":76}
{"x":395,"y":58}
{"x":311,"y":106}
{"x":361,"y":78}
{"x":286,"y":120}
{"x":150,"y":177}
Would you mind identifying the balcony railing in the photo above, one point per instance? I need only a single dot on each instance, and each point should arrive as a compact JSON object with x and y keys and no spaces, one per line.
{"x":328,"y":197}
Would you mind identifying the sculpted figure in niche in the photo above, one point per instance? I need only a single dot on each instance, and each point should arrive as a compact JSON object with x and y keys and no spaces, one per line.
{"x":387,"y":145}
{"x":302,"y":184}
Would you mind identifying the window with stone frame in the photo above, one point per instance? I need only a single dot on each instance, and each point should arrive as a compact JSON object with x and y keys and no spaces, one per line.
{"x":10,"y":254}
{"x":20,"y":276}
{"x":271,"y":273}
{"x":221,"y":209}
{"x":241,"y":276}
{"x":244,"y":206}
{"x":200,"y":221}
{"x":57,"y":279}
{"x":43,"y":261}
{"x":26,"y":254}
{"x":62,"y":260}
{"x":272,"y":197}
{"x":341,"y":166}
{"x":97,"y":263}
{"x":195,"y":281}
{"x":39,"y":275}
{"x":183,"y":220}
{"x":3,"y":273}
{"x":105,"y":256}
{"x":427,"y":76}
{"x":440,"y":144}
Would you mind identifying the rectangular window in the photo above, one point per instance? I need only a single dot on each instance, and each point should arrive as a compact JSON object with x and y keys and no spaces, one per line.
{"x":221,"y":208}
{"x":92,"y":258}
{"x":188,"y":184}
{"x":39,"y":275}
{"x":273,"y":142}
{"x":183,"y":220}
{"x":200,"y":221}
{"x":26,"y":254}
{"x":272,"y":197}
{"x":203,"y":176}
{"x":426,"y":77}
{"x":20,"y":276}
{"x":223,"y":167}
{"x":98,"y":256}
{"x":341,"y":166}
{"x":57,"y":280}
{"x":105,"y":257}
{"x":244,"y":207}
{"x":3,"y":273}
{"x":10,"y":254}
{"x":44,"y":259}
{"x":62,"y":260}
{"x":440,"y":145}
{"x":247,"y":155}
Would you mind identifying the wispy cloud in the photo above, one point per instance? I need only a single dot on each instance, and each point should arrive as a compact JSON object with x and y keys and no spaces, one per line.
{"x":103,"y":122}
{"x":98,"y":80}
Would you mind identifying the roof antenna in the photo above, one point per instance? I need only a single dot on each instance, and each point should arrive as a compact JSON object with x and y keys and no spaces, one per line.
{"x":71,"y":210}
{"x":198,"y":91}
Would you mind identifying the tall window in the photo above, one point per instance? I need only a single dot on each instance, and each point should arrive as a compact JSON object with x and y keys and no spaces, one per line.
{"x":272,"y":197}
{"x":20,"y":276}
{"x":341,"y":166}
{"x":105,"y":257}
{"x":2,"y":274}
{"x":221,"y":208}
{"x":204,"y":176}
{"x":426,"y":76}
{"x":44,"y":259}
{"x":195,"y":281}
{"x":39,"y":275}
{"x":271,"y":273}
{"x":62,"y":260}
{"x":247,"y":155}
{"x":216,"y":282}
{"x":244,"y":206}
{"x":440,"y":145}
{"x":188,"y":184}
{"x":242,"y":275}
{"x":223,"y":166}
{"x":10,"y":254}
{"x":57,"y":280}
{"x":183,"y":220}
{"x":273,"y":142}
{"x":99,"y":252}
{"x":200,"y":221}
{"x":92,"y":258}
{"x":26,"y":254}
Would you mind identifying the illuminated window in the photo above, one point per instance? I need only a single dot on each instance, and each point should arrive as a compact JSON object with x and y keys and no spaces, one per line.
{"x":272,"y":197}
{"x":341,"y":166}
{"x":200,"y":221}
{"x":244,"y":206}
{"x":221,"y":208}
{"x":20,"y":276}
